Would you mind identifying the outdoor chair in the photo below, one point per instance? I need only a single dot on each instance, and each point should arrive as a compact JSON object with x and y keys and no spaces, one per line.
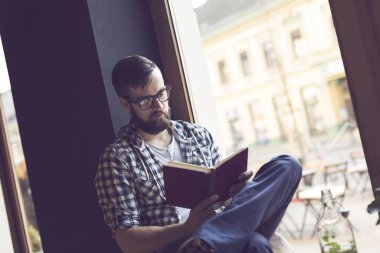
{"x":334,"y":177}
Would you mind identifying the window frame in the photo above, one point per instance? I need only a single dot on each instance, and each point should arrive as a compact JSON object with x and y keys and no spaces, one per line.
{"x":13,"y":200}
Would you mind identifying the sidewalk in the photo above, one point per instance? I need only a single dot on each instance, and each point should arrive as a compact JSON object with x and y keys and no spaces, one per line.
{"x":367,"y":234}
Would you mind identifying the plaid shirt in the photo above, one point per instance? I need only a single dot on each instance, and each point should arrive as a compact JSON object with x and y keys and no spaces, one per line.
{"x":129,"y":181}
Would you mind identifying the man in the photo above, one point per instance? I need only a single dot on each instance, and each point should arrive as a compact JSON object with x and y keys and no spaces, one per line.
{"x":130,"y":186}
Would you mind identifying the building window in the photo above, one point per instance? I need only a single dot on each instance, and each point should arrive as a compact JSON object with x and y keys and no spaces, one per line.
{"x":342,"y":100}
{"x":222,"y":71}
{"x":233,"y":121}
{"x":298,"y":44}
{"x":259,"y":124}
{"x":312,"y":110}
{"x":245,"y":63}
{"x":269,"y":54}
{"x":283,"y":117}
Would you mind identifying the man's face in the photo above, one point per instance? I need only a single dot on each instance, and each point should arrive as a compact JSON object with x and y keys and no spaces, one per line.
{"x":155,"y":119}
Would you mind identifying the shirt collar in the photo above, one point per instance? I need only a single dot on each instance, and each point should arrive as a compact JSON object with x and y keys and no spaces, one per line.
{"x":131,"y":133}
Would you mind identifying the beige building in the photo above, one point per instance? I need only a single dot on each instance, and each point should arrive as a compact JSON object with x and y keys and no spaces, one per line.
{"x":261,"y":53}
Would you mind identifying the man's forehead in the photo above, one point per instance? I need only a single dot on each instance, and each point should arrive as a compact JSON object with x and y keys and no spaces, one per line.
{"x":151,"y":89}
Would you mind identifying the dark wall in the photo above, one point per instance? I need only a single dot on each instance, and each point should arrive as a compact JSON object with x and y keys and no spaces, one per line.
{"x":121,"y":28}
{"x":62,"y":105}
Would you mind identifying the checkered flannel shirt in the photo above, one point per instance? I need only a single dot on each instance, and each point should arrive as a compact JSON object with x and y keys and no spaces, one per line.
{"x":129,"y":180}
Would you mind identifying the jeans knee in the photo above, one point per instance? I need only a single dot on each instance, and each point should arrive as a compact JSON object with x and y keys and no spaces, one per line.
{"x":290,"y":164}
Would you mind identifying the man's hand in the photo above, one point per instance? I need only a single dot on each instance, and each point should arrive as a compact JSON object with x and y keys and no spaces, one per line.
{"x":201,"y":212}
{"x":244,"y":179}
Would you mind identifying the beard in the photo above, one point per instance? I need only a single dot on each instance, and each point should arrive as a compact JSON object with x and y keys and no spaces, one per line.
{"x":154,"y":124}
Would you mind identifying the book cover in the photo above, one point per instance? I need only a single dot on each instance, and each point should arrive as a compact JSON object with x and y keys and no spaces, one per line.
{"x":186,"y":184}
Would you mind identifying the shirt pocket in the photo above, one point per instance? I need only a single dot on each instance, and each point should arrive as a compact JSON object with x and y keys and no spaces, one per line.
{"x":147,"y":187}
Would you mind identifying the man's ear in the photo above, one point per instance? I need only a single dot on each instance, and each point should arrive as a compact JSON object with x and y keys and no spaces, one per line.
{"x":124,"y":103}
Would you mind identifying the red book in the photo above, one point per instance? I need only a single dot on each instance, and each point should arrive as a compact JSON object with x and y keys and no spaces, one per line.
{"x":187,"y":184}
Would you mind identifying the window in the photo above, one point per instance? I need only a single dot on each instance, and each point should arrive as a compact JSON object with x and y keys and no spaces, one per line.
{"x":222,"y":72}
{"x":5,"y":234}
{"x":259,"y":122}
{"x":284,"y":117}
{"x":312,"y":109}
{"x":291,"y":109}
{"x":233,"y":120}
{"x":24,"y":221}
{"x":245,"y":63}
{"x":362,"y":69}
{"x":342,"y":101}
{"x":269,"y":54}
{"x":298,"y":44}
{"x":292,"y":115}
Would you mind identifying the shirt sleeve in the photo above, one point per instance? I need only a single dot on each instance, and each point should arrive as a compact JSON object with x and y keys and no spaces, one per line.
{"x":115,"y":191}
{"x":214,"y":148}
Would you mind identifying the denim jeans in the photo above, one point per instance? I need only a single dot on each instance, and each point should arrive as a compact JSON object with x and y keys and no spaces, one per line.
{"x":247,"y":224}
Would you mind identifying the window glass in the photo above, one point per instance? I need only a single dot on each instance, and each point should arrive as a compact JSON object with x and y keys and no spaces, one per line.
{"x":284,"y":104}
{"x":245,"y":64}
{"x":5,"y":235}
{"x":269,"y":54}
{"x":295,"y":100}
{"x":19,"y":167}
{"x":298,"y":44}
{"x":222,"y":72}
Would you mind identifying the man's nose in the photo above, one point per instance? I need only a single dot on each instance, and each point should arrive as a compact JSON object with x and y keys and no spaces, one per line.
{"x":157,"y":103}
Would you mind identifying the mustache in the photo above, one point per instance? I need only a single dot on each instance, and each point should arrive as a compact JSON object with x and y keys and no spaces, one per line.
{"x":158,"y":112}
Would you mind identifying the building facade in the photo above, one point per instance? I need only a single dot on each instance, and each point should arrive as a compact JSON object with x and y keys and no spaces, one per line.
{"x":275,"y":70}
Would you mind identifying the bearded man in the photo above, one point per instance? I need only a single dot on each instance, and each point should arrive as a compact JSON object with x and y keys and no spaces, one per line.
{"x":130,"y":187}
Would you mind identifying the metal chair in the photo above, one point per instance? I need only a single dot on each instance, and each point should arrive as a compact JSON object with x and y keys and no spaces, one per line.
{"x":335,"y":179}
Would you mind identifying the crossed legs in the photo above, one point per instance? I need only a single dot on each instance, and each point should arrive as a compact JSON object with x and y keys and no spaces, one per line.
{"x":248,"y":223}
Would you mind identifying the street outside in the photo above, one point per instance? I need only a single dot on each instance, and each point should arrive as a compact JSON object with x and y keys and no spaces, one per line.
{"x":367,"y":234}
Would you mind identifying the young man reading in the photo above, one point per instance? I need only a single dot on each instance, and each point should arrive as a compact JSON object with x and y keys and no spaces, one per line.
{"x":130,"y":187}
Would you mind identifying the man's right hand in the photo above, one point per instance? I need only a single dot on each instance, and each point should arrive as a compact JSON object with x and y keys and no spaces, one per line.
{"x":202,"y":212}
{"x":147,"y":239}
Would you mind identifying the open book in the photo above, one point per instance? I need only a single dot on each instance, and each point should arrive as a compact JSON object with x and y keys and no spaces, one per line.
{"x":186,"y":184}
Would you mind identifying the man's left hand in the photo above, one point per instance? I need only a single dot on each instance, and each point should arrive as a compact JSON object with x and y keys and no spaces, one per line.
{"x":244,"y":179}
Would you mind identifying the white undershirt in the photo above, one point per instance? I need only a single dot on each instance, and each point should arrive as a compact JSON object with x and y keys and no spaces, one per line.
{"x":171,"y":153}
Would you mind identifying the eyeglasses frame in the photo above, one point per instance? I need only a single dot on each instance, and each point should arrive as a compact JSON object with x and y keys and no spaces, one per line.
{"x":153,"y":98}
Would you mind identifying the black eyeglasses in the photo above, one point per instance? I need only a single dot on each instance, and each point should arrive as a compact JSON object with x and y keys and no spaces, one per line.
{"x":146,"y":103}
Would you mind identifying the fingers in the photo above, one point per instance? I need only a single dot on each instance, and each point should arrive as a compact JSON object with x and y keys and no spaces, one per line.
{"x":244,"y":179}
{"x":206,"y":208}
{"x":245,"y":175}
{"x":201,"y":212}
{"x":206,"y":203}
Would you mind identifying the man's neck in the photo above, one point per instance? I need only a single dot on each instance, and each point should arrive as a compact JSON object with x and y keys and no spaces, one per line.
{"x":160,"y":140}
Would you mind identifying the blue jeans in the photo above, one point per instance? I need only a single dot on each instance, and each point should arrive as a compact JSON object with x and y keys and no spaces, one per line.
{"x":248,"y":223}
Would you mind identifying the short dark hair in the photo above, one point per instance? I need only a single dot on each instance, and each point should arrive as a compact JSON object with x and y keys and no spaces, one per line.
{"x":132,"y":71}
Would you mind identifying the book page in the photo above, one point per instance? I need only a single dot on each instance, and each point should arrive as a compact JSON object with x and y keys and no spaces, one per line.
{"x":188,"y":166}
